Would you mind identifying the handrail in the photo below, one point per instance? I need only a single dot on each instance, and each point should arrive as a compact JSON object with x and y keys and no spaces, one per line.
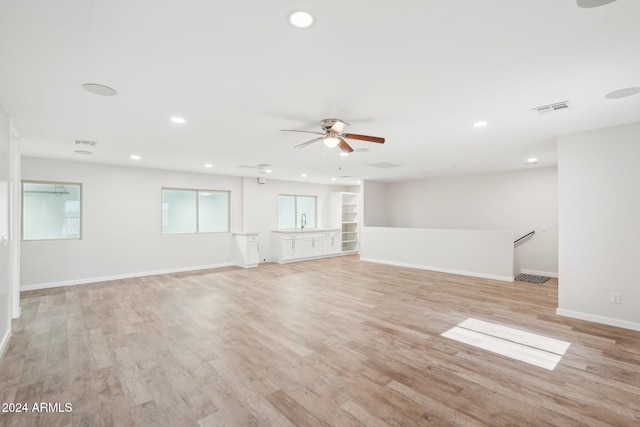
{"x":525,"y":236}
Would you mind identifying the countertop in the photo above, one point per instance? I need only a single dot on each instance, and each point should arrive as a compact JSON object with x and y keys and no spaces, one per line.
{"x":305,"y":230}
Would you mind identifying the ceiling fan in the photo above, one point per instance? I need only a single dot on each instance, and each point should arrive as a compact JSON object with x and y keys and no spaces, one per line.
{"x":333,"y":135}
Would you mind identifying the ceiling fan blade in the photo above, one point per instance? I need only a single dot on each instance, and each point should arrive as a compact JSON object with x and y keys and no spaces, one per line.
{"x":344,"y":146}
{"x":304,"y":131}
{"x":364,"y":137}
{"x":339,"y":126}
{"x":304,"y":144}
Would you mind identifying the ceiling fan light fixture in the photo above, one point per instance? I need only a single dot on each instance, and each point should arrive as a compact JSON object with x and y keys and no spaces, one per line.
{"x":331,"y":141}
{"x":300,"y":19}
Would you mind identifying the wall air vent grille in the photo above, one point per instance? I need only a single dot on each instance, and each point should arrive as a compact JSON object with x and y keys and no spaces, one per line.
{"x":552,"y":108}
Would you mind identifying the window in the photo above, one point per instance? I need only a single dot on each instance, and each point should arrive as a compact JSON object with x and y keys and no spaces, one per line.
{"x":51,"y":210}
{"x":291,"y":209}
{"x":194,"y":211}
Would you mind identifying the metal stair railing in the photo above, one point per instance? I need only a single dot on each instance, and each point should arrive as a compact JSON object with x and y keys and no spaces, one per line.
{"x":524,"y":237}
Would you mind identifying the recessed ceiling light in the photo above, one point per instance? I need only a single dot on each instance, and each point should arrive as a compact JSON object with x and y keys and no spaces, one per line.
{"x":268,"y":171}
{"x":531,"y":161}
{"x":344,"y":154}
{"x":300,"y":19}
{"x":178,"y":120}
{"x":101,"y":90}
{"x":134,"y":157}
{"x":304,"y":175}
{"x":82,"y":152}
{"x":208,"y":165}
{"x":623,"y":93}
{"x":480,"y":124}
{"x":588,"y":4}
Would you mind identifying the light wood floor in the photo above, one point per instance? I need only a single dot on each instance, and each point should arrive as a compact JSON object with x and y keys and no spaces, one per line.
{"x":335,"y":342}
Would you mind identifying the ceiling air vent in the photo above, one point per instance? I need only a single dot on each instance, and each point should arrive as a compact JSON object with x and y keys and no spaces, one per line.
{"x":85,"y":143}
{"x":552,"y":108}
{"x":384,"y":165}
{"x":261,"y":168}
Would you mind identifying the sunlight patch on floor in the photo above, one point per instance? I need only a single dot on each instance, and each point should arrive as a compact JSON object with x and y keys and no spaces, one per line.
{"x":524,"y":346}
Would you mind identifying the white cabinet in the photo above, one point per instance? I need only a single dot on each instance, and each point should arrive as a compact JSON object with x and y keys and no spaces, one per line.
{"x":291,"y":247}
{"x":247,"y":250}
{"x":345,"y":215}
{"x":331,"y":242}
{"x":297,"y":245}
{"x":312,"y":245}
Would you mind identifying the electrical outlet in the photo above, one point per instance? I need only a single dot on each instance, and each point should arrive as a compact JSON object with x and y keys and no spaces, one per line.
{"x":615,"y":297}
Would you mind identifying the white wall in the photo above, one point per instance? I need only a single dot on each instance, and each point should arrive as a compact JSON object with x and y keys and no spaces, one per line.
{"x":599,"y":216}
{"x":121,"y":225}
{"x":480,"y":253}
{"x":121,"y":222}
{"x":5,"y":243}
{"x":260,"y":206}
{"x":518,"y":201}
{"x":375,"y":204}
{"x":14,"y":219}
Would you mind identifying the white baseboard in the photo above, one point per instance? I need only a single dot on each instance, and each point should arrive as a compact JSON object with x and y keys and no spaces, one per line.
{"x":599,"y":319}
{"x":441,"y":270}
{"x":4,"y":344}
{"x":539,"y":273}
{"x":88,"y":280}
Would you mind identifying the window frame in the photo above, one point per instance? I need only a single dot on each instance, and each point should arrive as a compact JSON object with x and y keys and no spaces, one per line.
{"x":197,"y":192}
{"x":54,"y":183}
{"x":296,"y":216}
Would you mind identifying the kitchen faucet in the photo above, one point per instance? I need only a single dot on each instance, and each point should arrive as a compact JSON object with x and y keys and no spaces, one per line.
{"x":303,"y":221}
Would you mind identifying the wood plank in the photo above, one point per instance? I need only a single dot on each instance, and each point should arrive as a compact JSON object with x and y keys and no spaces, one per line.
{"x":510,"y":349}
{"x":326,"y":342}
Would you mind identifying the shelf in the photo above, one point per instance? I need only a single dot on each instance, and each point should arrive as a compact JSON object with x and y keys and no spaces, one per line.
{"x":345,"y":212}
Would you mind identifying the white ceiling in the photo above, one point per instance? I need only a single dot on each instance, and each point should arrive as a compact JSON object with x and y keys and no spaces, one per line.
{"x":418,"y":73}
